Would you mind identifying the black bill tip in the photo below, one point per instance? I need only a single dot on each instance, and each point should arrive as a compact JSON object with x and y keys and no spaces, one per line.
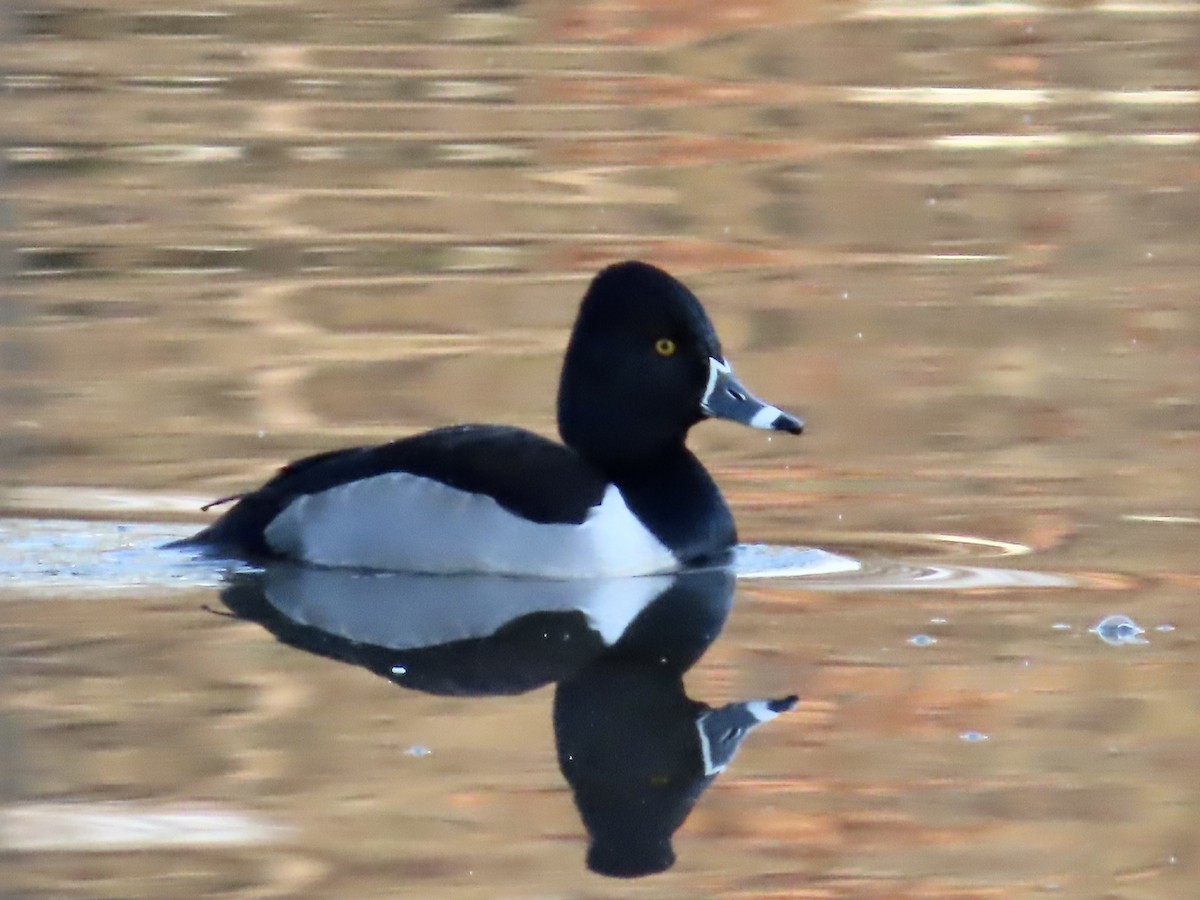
{"x":783,"y":704}
{"x":788,"y":423}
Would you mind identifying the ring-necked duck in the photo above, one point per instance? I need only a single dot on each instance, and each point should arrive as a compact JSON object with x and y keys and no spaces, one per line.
{"x":624,"y":496}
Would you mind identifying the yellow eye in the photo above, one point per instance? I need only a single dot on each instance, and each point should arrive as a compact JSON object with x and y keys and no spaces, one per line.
{"x":664,"y":347}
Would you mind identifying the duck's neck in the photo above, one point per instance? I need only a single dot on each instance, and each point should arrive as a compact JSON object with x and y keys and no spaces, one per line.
{"x":680,"y":503}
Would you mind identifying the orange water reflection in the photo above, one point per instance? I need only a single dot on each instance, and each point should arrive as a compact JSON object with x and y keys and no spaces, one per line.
{"x":960,"y":238}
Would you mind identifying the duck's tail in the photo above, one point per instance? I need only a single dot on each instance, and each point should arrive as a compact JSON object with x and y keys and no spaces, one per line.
{"x":204,"y":537}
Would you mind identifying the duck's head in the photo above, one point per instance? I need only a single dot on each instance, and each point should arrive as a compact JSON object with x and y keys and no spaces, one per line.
{"x":644,"y":365}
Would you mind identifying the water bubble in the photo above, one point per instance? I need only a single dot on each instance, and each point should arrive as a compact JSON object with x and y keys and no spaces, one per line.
{"x":1119,"y":629}
{"x":1061,"y":626}
{"x":937,"y":620}
{"x":1165,"y":627}
{"x":973,"y":737}
{"x":418,"y":750}
{"x":922,"y":640}
{"x":399,"y":670}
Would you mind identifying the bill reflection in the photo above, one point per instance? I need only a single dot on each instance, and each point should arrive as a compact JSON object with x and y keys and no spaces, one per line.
{"x":636,"y":751}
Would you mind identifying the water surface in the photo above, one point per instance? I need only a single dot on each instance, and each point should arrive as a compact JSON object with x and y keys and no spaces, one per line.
{"x":959,"y":238}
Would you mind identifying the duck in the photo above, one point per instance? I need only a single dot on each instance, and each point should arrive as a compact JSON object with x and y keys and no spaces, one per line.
{"x":621,"y":495}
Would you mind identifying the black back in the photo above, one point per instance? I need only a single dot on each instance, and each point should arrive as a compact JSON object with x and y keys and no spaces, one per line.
{"x":510,"y":465}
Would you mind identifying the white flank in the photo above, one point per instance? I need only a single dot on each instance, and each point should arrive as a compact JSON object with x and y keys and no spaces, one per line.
{"x":403,"y":522}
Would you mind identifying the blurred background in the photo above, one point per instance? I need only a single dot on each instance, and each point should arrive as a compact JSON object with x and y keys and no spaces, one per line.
{"x":961,"y":238}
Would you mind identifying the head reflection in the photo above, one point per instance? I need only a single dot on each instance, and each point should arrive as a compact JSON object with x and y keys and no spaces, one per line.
{"x":636,"y":751}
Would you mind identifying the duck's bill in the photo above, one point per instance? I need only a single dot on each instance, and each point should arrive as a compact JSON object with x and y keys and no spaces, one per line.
{"x":726,"y":398}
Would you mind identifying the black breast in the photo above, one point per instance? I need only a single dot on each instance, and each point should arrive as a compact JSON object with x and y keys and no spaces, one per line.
{"x":679,"y":502}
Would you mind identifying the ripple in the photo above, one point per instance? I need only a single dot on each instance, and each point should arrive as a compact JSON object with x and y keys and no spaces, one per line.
{"x":59,"y":556}
{"x":73,"y":557}
{"x":895,"y":575}
{"x":925,"y":544}
{"x":867,"y":571}
{"x":115,"y":825}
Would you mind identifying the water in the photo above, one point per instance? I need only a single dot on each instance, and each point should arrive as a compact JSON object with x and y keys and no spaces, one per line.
{"x":958,"y":238}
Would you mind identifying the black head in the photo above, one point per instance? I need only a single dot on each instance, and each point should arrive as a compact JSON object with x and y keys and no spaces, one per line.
{"x":644,"y":365}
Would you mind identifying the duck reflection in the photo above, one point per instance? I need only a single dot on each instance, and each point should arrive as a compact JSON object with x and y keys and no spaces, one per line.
{"x":636,"y":751}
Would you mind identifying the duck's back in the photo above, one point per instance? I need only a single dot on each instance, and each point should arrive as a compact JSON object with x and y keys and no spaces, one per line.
{"x":471,"y":498}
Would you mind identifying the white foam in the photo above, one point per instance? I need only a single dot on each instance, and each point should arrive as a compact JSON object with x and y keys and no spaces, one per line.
{"x":765,"y":561}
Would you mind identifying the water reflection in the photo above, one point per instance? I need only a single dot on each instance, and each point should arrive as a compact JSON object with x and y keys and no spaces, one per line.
{"x":964,"y":233}
{"x":635,"y":749}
